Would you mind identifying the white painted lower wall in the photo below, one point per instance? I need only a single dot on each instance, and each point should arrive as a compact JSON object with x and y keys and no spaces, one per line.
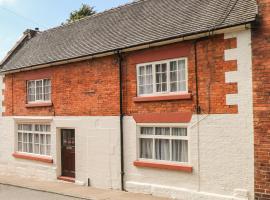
{"x":221,"y":154}
{"x":97,"y":150}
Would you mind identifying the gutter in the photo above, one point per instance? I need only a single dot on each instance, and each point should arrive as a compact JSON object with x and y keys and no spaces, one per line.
{"x":157,"y":43}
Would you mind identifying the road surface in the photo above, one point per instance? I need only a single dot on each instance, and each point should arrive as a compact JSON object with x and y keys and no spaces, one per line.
{"x":16,"y":193}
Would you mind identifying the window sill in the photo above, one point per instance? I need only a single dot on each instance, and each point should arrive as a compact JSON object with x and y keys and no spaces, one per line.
{"x":187,"y":96}
{"x":33,"y":105}
{"x":174,"y":167}
{"x":32,"y":157}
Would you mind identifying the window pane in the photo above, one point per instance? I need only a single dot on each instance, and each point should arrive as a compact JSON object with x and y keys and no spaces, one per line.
{"x":162,"y":131}
{"x":161,"y":77}
{"x":31,"y":91}
{"x":162,"y":149}
{"x":147,"y":130}
{"x":47,"y":89}
{"x":145,"y":77}
{"x":27,"y":127}
{"x":180,"y":150}
{"x":20,"y":146}
{"x":39,"y":90}
{"x":48,"y":128}
{"x":179,"y":131}
{"x":146,"y":147}
{"x":48,"y":150}
{"x":19,"y":137}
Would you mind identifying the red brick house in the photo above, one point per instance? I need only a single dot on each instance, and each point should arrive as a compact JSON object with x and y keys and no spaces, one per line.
{"x":164,"y":97}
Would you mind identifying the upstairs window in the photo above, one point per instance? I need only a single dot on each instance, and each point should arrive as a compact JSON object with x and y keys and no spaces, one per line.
{"x":39,"y":91}
{"x":163,"y":77}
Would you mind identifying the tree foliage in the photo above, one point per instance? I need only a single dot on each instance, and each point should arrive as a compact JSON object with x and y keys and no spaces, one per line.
{"x":84,"y":11}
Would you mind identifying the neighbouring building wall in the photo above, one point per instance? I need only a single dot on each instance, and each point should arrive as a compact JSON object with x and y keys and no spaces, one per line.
{"x":97,"y":154}
{"x":221,"y":142}
{"x":261,"y":99}
{"x":2,"y":87}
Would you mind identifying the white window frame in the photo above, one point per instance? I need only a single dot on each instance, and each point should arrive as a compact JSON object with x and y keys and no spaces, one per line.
{"x":38,"y":101}
{"x":159,"y":125}
{"x":33,"y":132}
{"x":155,"y":93}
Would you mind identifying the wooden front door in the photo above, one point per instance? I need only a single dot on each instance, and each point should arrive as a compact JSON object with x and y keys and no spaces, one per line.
{"x":68,"y":152}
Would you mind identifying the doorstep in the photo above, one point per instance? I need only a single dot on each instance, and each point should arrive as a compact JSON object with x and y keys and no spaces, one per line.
{"x":72,"y":190}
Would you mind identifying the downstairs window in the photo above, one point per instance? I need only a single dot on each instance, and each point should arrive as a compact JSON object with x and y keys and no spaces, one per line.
{"x":163,"y":144}
{"x":34,"y":139}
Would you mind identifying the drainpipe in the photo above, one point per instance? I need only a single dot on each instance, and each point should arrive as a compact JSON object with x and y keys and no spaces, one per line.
{"x":120,"y":65}
{"x":198,"y":108}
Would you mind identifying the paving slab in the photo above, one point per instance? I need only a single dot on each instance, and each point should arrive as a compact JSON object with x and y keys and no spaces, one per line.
{"x":72,"y":190}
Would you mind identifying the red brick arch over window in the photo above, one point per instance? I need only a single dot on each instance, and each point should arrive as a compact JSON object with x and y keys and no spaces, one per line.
{"x":177,"y":117}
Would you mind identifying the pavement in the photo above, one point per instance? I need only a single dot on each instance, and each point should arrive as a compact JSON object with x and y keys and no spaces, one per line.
{"x":69,"y":190}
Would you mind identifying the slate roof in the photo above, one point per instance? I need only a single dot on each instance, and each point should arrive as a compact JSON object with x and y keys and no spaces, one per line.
{"x":136,"y":23}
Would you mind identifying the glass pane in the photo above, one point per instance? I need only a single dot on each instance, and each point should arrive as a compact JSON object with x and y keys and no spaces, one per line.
{"x":161,"y":77}
{"x":36,"y":138}
{"x":179,"y":131}
{"x":27,"y":127}
{"x":36,"y":127}
{"x":48,"y":139}
{"x":31,"y":90}
{"x":20,"y":146}
{"x":146,"y":148}
{"x":25,"y":137}
{"x":182,"y":86}
{"x":36,"y":149}
{"x":42,"y":139}
{"x":42,"y":149}
{"x":48,"y":128}
{"x":162,"y":131}
{"x":180,"y":150}
{"x":48,"y":150}
{"x":20,"y":127}
{"x":19,"y":137}
{"x":141,"y":71}
{"x":24,"y":147}
{"x":39,"y":92}
{"x":30,"y":148}
{"x":162,"y":149}
{"x":174,"y":87}
{"x":147,"y":130}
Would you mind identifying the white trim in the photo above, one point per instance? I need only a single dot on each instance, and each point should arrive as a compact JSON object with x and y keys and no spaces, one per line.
{"x":153,"y":64}
{"x":35,"y":90}
{"x":169,"y":125}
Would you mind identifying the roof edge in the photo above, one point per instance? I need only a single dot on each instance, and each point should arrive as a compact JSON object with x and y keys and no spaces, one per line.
{"x":27,"y":35}
{"x":237,"y":27}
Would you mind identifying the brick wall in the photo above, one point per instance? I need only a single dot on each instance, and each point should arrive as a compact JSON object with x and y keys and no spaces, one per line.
{"x":211,"y":70}
{"x":82,"y":89}
{"x":91,"y":88}
{"x":261,"y":100}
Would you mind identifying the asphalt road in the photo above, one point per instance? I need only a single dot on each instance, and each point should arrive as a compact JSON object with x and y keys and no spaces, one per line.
{"x":16,"y":193}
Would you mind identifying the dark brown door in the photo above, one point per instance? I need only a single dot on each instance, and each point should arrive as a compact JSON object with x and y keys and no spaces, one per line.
{"x":68,"y":152}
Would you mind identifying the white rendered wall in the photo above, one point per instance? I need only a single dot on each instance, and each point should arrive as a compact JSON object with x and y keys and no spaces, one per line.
{"x":97,"y":150}
{"x":221,"y":146}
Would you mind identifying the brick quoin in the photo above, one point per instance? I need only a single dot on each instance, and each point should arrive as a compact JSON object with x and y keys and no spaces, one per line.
{"x":91,"y":88}
{"x":261,"y":100}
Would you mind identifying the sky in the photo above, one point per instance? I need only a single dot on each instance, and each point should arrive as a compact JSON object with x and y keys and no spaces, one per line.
{"x":18,"y":15}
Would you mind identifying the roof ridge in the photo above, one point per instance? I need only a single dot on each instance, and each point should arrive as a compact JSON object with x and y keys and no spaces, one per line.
{"x":95,"y":15}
